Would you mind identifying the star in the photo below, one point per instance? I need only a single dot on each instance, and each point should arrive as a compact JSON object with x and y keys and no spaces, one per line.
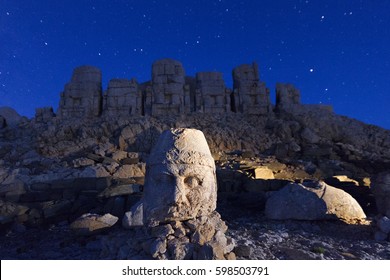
{"x":311,"y":70}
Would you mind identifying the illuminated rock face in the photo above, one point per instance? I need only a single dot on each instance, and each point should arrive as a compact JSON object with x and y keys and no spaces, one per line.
{"x":180,"y":197}
{"x":180,"y":181}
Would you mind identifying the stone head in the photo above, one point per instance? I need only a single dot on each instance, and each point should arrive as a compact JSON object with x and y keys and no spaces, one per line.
{"x":180,"y":182}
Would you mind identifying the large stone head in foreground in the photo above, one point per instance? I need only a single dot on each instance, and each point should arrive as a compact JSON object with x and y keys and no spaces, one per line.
{"x":180,"y":181}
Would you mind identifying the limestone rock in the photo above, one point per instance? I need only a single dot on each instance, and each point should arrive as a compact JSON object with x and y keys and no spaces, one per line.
{"x":10,"y":116}
{"x":89,"y":224}
{"x":82,"y":96}
{"x":212,"y":96}
{"x":249,"y":94}
{"x":263,"y":172}
{"x":44,"y":115}
{"x":128,"y":171}
{"x":180,"y":178}
{"x":9,"y":211}
{"x":384,"y":224}
{"x":134,"y":217}
{"x":94,"y":171}
{"x":119,"y":155}
{"x":122,"y":98}
{"x":313,"y":201}
{"x":168,"y":94}
{"x":287,"y":96}
{"x":81,"y":162}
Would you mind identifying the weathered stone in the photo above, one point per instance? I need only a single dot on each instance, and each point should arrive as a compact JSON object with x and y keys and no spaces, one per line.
{"x":313,"y":201}
{"x":161,"y":231}
{"x":81,"y":162}
{"x":56,"y":208}
{"x":94,"y":171}
{"x":243,"y":251}
{"x":287,"y":96}
{"x":44,"y":115}
{"x":168,"y":93}
{"x":180,"y":249}
{"x":249,"y":94}
{"x":120,"y":190}
{"x":82,"y":96}
{"x":119,"y":155}
{"x":122,"y":98}
{"x":310,"y":136}
{"x":203,"y":234}
{"x":262,"y":172}
{"x":158,"y":247}
{"x":380,"y":236}
{"x":180,"y":181}
{"x":10,"y":116}
{"x":89,"y":224}
{"x":384,"y":224}
{"x":212,"y":96}
{"x":126,"y":171}
{"x":134,"y":217}
{"x":9,"y":211}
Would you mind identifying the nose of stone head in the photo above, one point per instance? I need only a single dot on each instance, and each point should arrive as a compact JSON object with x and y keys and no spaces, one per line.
{"x":177,"y":195}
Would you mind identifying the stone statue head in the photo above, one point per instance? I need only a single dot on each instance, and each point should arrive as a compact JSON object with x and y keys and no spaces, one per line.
{"x":180,"y":182}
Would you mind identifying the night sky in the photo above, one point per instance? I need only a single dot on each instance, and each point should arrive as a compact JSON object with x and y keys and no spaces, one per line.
{"x":335,"y":52}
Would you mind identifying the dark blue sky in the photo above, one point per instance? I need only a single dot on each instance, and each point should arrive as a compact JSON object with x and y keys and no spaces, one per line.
{"x":335,"y":52}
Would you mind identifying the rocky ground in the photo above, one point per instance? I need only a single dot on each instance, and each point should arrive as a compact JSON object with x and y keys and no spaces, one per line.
{"x":55,"y":171}
{"x":256,"y":238}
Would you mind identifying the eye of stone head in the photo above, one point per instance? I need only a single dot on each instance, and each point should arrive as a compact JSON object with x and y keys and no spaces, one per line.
{"x":192,"y":181}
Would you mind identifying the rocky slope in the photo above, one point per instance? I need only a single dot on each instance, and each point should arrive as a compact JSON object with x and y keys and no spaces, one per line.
{"x":53,"y":172}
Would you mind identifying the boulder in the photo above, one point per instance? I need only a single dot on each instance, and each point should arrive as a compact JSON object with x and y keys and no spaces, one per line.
{"x":313,"y":201}
{"x":89,"y":224}
{"x":10,"y":211}
{"x":134,"y":217}
{"x":263,"y":172}
{"x":384,"y":224}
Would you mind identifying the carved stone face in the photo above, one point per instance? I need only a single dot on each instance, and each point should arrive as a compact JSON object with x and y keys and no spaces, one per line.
{"x":181,"y":185}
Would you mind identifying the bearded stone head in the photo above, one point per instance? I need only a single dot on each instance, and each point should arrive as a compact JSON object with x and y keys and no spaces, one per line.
{"x":180,"y":182}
